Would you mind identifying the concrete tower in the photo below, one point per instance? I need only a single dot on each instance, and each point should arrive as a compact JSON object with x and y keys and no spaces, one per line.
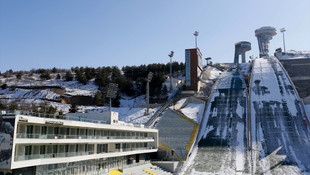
{"x":240,"y":49}
{"x":264,"y":35}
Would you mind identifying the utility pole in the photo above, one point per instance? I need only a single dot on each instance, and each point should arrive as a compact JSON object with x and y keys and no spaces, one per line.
{"x":283,"y":30}
{"x":196,"y":34}
{"x":148,"y":80}
{"x":171,"y":55}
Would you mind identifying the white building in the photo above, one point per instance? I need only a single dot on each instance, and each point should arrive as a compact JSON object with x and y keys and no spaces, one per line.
{"x":75,"y":144}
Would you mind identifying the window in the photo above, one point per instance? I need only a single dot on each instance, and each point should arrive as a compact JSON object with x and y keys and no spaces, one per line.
{"x":28,"y":150}
{"x":29,"y":131}
{"x":43,"y":130}
{"x":56,"y":129}
{"x":117,"y":146}
{"x":42,"y":149}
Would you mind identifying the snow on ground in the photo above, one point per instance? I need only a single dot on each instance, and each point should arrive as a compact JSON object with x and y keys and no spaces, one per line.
{"x":245,"y":68}
{"x":193,"y":111}
{"x":210,"y":73}
{"x":28,"y":93}
{"x":128,"y":115}
{"x":71,"y":87}
{"x":263,"y":77}
{"x":132,"y":102}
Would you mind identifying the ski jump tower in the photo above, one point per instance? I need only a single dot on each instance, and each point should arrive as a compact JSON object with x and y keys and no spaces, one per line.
{"x":240,"y":49}
{"x":264,"y":35}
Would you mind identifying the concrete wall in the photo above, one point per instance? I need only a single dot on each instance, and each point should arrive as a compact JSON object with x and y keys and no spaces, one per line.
{"x":168,"y":165}
{"x":299,"y":72}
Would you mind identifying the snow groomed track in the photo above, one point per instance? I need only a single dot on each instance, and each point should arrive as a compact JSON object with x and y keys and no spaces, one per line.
{"x":280,"y":130}
{"x":221,"y":143}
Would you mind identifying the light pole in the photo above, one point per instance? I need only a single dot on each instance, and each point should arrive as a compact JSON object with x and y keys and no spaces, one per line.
{"x":196,"y":34}
{"x":113,"y":87}
{"x":207,"y":59}
{"x":148,"y":79}
{"x":283,"y":30}
{"x":171,"y":55}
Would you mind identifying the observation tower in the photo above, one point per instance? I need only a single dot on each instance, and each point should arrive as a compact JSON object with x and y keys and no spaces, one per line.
{"x":240,"y":49}
{"x":264,"y":35}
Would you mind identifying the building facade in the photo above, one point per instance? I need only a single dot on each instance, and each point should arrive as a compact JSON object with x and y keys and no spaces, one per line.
{"x":193,"y":68}
{"x":43,"y":144}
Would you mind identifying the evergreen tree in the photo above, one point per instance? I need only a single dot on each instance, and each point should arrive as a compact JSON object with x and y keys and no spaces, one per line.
{"x":51,"y":110}
{"x":115,"y":101}
{"x":58,"y":77}
{"x":34,"y":108}
{"x":3,"y":106}
{"x":73,"y":108}
{"x":61,"y":112}
{"x":19,"y":75}
{"x":4,"y":86}
{"x":98,"y":99}
{"x":54,"y":70}
{"x":13,"y":106}
{"x":68,"y":76}
{"x":43,"y":107}
{"x":45,"y":75}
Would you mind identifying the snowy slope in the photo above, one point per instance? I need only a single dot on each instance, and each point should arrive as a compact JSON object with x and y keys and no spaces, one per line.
{"x":280,"y":133}
{"x":71,"y":87}
{"x":220,"y":147}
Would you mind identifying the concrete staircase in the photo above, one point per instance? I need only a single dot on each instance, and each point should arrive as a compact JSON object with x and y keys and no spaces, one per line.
{"x":147,"y":170}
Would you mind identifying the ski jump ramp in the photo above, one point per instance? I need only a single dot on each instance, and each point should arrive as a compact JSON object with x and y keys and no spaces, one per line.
{"x":222,"y":141}
{"x":279,"y":126}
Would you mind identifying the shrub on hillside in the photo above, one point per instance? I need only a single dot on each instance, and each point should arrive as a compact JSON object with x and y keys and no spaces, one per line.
{"x":4,"y":86}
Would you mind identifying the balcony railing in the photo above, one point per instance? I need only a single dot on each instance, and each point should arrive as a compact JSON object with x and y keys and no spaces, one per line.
{"x":63,"y":117}
{"x":59,"y":136}
{"x":72,"y":154}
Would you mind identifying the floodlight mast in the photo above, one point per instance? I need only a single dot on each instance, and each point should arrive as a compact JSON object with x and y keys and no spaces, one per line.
{"x":283,"y":30}
{"x":113,"y":87}
{"x":149,"y":78}
{"x":196,"y":34}
{"x":171,"y":55}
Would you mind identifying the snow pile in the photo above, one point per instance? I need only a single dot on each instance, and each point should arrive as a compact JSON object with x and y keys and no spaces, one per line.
{"x":245,"y":68}
{"x":193,"y":111}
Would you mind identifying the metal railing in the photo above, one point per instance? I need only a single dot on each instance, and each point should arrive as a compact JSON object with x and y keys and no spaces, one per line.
{"x":62,"y":117}
{"x":73,"y":154}
{"x":158,"y":112}
{"x":60,"y":136}
{"x":51,"y":155}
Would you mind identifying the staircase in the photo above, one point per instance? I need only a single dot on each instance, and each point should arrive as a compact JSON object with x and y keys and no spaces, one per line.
{"x":167,"y":104}
{"x":148,"y":170}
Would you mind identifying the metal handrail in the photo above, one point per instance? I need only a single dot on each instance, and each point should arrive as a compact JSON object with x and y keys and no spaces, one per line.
{"x":64,"y":136}
{"x":160,"y":110}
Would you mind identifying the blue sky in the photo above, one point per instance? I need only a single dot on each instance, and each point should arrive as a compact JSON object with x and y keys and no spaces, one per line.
{"x":69,"y":33}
